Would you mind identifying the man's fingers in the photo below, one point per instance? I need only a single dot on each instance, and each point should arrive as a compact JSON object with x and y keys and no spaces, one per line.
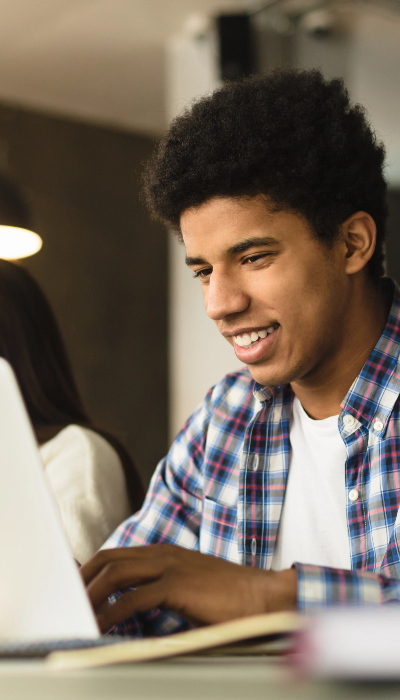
{"x":92,"y":567}
{"x":117,"y":575}
{"x":144,"y":598}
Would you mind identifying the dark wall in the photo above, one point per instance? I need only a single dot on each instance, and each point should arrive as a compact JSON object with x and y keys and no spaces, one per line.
{"x":393,"y":235}
{"x":103,"y":267}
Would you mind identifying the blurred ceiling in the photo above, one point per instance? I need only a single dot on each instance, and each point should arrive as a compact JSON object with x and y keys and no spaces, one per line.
{"x":98,"y":60}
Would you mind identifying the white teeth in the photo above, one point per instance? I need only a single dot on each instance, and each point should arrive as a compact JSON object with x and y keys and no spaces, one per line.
{"x":248,"y":339}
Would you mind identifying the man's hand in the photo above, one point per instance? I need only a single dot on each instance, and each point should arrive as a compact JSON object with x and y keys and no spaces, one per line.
{"x":200,"y":588}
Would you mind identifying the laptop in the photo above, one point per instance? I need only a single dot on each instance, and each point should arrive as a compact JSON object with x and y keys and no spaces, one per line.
{"x":43,"y":601}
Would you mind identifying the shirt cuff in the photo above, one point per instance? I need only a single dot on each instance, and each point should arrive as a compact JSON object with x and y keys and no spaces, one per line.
{"x":321,"y":586}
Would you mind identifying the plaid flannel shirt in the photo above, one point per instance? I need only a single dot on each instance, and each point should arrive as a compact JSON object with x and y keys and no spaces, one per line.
{"x":220,"y":489}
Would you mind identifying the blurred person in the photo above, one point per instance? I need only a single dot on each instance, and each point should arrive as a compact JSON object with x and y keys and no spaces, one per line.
{"x":92,"y":477}
{"x":282,"y":490}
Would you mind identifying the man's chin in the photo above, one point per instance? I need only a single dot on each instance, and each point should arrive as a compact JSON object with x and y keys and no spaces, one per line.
{"x":271,"y":377}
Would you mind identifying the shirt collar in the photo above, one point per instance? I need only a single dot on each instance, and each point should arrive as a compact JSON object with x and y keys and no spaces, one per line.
{"x":371,"y":398}
{"x":263,"y":393}
{"x":375,"y":390}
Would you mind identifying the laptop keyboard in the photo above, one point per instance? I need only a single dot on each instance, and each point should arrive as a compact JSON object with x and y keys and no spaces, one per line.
{"x":37,"y":650}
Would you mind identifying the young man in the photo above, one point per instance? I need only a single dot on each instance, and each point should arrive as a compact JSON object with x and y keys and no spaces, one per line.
{"x":283,"y":488}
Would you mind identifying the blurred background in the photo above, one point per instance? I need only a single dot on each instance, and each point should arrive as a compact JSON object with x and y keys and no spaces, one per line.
{"x":86,"y":89}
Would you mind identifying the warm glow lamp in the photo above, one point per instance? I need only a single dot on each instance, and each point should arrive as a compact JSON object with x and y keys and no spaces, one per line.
{"x":16,"y":243}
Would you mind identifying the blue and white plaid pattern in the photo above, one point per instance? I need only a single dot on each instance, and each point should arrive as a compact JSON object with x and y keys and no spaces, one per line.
{"x":220,"y":490}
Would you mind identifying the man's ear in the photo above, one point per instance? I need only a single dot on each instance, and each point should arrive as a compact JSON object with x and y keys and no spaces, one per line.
{"x":359,"y":236}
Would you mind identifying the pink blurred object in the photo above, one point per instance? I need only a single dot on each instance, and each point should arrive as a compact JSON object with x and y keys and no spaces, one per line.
{"x":350,"y":643}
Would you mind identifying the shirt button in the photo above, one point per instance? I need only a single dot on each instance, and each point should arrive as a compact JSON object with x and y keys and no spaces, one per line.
{"x":353,"y":494}
{"x":349,"y":420}
{"x":378,"y":426}
{"x":255,"y":463}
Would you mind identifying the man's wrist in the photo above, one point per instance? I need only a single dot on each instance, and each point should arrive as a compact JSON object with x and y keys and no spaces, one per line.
{"x":281,"y":592}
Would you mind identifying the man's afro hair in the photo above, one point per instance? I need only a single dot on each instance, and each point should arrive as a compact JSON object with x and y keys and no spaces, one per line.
{"x":292,"y":136}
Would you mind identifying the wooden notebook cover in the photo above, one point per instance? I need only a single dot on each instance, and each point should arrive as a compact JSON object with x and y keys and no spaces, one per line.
{"x":195,"y":640}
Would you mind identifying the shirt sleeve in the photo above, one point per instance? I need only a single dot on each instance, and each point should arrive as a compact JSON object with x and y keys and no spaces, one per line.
{"x":321,"y":586}
{"x":171,"y":513}
{"x":88,"y":483}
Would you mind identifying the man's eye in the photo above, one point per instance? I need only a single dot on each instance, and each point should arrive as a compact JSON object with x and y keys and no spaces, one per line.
{"x":202,"y":274}
{"x":255,"y":258}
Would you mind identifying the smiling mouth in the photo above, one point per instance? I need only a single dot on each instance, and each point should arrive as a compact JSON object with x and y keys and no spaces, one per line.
{"x":248,"y":340}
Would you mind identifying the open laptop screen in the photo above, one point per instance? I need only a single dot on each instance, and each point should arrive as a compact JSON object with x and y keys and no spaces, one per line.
{"x":42,"y":596}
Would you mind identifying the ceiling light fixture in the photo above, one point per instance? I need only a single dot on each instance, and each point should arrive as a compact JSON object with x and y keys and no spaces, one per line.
{"x":16,"y":243}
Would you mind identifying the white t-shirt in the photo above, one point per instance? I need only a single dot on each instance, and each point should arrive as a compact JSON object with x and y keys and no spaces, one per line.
{"x":88,"y":482}
{"x":313,"y":526}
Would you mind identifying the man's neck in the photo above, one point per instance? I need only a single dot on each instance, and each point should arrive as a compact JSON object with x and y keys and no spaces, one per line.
{"x":322,"y":392}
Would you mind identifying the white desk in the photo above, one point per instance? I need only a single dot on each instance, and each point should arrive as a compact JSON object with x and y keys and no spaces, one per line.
{"x":194,"y":679}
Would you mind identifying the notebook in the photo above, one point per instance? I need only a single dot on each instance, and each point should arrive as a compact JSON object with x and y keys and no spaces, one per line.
{"x":255,"y":635}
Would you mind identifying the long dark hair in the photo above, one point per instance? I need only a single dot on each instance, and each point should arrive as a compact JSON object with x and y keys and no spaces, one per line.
{"x":31,"y":342}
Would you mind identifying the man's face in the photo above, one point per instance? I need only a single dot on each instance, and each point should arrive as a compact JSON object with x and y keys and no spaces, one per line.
{"x":276,"y":294}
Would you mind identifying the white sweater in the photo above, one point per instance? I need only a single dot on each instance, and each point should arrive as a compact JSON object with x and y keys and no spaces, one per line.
{"x":88,"y":482}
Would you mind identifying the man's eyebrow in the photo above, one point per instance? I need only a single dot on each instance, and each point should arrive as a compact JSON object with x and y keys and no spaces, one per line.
{"x":195,"y":261}
{"x":252,"y":243}
{"x":238,"y":248}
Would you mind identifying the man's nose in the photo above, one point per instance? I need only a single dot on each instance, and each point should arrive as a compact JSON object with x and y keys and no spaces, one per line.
{"x":224,"y":297}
